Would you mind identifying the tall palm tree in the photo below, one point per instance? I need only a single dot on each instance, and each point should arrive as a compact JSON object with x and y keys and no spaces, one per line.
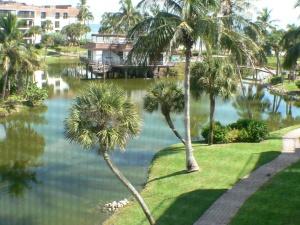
{"x":178,"y":23}
{"x":216,"y":77}
{"x":167,"y":97}
{"x":84,"y":15}
{"x":122,"y":21}
{"x":10,"y":43}
{"x":103,"y":116}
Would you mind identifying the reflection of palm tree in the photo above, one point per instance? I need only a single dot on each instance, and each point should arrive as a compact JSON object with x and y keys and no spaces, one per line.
{"x":18,"y":176}
{"x":20,"y":150}
{"x":253,"y":100}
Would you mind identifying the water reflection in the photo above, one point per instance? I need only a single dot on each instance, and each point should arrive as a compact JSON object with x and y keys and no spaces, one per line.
{"x":253,"y":104}
{"x":20,"y":148}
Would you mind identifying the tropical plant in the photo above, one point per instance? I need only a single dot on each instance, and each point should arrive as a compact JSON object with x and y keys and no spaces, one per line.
{"x":34,"y":32}
{"x":216,"y":77}
{"x":35,"y":95}
{"x":274,"y":41}
{"x":10,"y":44}
{"x":74,"y":32}
{"x":291,"y":44}
{"x":84,"y":15}
{"x":122,"y":21}
{"x":103,"y":116}
{"x":167,"y":97}
{"x":47,"y":26}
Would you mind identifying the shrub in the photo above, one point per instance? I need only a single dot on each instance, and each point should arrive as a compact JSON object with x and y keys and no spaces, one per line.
{"x":298,"y":83}
{"x":251,"y":130}
{"x":219,"y":133}
{"x":172,"y":72}
{"x":3,"y":112}
{"x":35,"y":95}
{"x":276,"y":80}
{"x":244,"y":130}
{"x":232,"y":135}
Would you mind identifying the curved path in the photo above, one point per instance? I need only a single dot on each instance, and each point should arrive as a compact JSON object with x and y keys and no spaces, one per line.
{"x":227,"y":206}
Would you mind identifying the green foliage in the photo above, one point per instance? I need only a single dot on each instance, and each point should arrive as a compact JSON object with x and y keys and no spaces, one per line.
{"x":35,"y":95}
{"x":220,"y":132}
{"x":276,"y":80}
{"x":74,"y":32}
{"x":251,"y":130}
{"x":102,"y":115}
{"x":3,"y":112}
{"x":244,"y":130}
{"x":297,"y":83}
{"x":172,"y":72}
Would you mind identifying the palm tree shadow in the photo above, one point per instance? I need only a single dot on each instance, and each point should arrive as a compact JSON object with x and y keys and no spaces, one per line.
{"x":178,"y":173}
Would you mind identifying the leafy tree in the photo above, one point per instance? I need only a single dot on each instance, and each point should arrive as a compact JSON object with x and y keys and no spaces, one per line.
{"x":47,"y":26}
{"x":84,"y":15}
{"x":34,"y":31}
{"x":167,"y":97}
{"x":74,"y":32}
{"x":274,"y":41}
{"x":10,"y":46}
{"x":122,"y":21}
{"x":103,"y":116}
{"x":291,"y":45}
{"x":216,"y":77}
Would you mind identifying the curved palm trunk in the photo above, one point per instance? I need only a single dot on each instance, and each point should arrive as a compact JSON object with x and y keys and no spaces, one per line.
{"x":130,"y":187}
{"x":191,"y":163}
{"x":211,"y":119}
{"x":171,"y":125}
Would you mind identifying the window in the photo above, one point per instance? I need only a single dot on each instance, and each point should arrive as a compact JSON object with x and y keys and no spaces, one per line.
{"x":56,"y":24}
{"x":66,"y":15}
{"x":57,"y":15}
{"x":43,"y":15}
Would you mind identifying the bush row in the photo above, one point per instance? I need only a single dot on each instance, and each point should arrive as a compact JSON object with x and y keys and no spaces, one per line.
{"x":244,"y":130}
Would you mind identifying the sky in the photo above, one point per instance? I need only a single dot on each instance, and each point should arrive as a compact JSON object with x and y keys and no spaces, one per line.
{"x":282,"y":10}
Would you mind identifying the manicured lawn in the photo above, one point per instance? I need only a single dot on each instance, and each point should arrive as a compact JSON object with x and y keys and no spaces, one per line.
{"x":290,"y":86}
{"x":179,"y":198}
{"x":277,"y":203}
{"x":272,"y":63}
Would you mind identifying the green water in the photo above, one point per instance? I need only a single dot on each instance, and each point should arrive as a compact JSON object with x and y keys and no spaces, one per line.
{"x":44,"y":180}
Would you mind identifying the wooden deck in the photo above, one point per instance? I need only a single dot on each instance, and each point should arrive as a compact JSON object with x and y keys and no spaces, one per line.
{"x":98,"y":70}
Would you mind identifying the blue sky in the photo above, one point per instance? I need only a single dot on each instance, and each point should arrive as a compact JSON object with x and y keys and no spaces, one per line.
{"x":282,"y":10}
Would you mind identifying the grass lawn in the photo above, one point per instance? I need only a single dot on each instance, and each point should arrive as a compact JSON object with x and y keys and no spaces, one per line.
{"x":277,"y":203}
{"x":178,"y":198}
{"x":290,"y":86}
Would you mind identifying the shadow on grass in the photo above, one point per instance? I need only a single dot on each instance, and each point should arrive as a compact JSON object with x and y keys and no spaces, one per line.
{"x":178,"y":173}
{"x":7,"y":220}
{"x":187,"y":207}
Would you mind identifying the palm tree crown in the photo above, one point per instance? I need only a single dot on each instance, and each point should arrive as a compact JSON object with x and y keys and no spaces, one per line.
{"x":167,"y":97}
{"x":102,"y":115}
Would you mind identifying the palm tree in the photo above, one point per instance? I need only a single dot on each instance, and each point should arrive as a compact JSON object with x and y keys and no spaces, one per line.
{"x":182,"y":22}
{"x":103,"y":116}
{"x":178,"y":23}
{"x":10,"y":42}
{"x":122,"y":21}
{"x":291,"y":44}
{"x":84,"y":15}
{"x":34,"y":31}
{"x":47,"y":26}
{"x":216,"y":77}
{"x":274,"y":40}
{"x":167,"y":97}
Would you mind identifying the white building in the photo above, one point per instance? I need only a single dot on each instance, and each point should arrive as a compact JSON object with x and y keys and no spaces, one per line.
{"x":31,"y":15}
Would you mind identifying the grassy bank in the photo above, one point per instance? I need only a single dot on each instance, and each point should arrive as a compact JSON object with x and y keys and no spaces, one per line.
{"x":277,"y":203}
{"x":179,"y":198}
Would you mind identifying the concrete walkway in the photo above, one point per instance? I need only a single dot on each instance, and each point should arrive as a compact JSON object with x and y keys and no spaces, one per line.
{"x":227,"y":206}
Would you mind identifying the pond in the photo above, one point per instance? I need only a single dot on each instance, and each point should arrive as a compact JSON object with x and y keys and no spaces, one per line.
{"x":45,"y":180}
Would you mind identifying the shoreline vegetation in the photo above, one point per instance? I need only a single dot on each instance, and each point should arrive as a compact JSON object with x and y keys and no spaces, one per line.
{"x":222,"y":166}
